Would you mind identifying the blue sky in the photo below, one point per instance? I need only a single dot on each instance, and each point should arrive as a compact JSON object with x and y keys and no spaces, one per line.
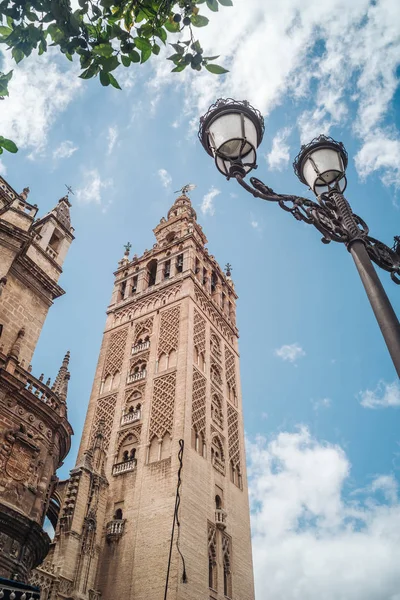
{"x":321,"y":397}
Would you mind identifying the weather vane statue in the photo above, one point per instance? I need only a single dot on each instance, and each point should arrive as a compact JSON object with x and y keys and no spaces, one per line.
{"x":127,"y":247}
{"x":186,"y":188}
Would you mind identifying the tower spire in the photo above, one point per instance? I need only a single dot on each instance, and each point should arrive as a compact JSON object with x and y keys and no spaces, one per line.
{"x":60,"y":385}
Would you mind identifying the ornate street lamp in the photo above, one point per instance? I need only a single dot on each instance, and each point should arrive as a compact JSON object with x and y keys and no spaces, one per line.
{"x":231,"y":132}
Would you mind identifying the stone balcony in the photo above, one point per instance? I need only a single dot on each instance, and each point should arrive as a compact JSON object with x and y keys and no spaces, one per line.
{"x":15,"y":590}
{"x":220,"y":518}
{"x":219,"y":465}
{"x":140,"y":347}
{"x":136,"y":376}
{"x":124,"y":467}
{"x":51,"y":252}
{"x":131,"y":417}
{"x":115,"y":529}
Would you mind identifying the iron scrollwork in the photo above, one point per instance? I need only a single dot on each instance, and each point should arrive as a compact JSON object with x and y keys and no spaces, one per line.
{"x":327,"y":216}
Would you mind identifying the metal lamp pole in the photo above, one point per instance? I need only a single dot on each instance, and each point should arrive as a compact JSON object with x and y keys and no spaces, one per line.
{"x":231,"y":131}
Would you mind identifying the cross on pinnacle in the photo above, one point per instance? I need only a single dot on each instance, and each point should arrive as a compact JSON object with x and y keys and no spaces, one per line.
{"x":70,"y":190}
{"x":228,"y":269}
{"x":127,"y":247}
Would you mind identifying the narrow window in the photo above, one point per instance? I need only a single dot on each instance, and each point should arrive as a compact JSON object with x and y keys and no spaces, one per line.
{"x":167,"y":269}
{"x":197,"y":266}
{"x":214,"y":280}
{"x":179,"y":263}
{"x":204,"y":276}
{"x":152,"y":272}
{"x":222,"y":300}
{"x":118,"y":514}
{"x":134,"y":284}
{"x":122,"y":290}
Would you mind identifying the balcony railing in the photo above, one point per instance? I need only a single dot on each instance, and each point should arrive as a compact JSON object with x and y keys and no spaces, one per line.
{"x":130,"y":417}
{"x":220,"y":518}
{"x":124,"y":467}
{"x":115,"y":528}
{"x":140,"y":347}
{"x":136,"y":376}
{"x":219,"y":465}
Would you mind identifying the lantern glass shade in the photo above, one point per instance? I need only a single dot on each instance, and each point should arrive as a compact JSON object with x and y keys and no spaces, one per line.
{"x":323,"y":167}
{"x":232,"y":135}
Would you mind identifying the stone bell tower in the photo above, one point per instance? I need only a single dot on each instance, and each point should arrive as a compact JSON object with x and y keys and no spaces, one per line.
{"x":168,"y":370}
{"x":34,"y":431}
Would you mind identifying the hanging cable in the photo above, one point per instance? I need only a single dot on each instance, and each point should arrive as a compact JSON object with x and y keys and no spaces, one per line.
{"x":176,"y":520}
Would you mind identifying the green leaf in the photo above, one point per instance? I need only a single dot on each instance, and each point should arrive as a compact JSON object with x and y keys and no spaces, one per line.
{"x":142,"y":44}
{"x":216,"y":69}
{"x":145,"y":55}
{"x":17,"y":54}
{"x":5,"y":30}
{"x":134,"y":56}
{"x":162,"y":34}
{"x":126,"y":61}
{"x":226,"y":2}
{"x":103,"y":50}
{"x":211,"y":57}
{"x":212,"y":5}
{"x":179,"y":68}
{"x":90,"y":72}
{"x":156,"y":49}
{"x":67,"y":54}
{"x":199,"y":21}
{"x":109,"y":64}
{"x":104,"y":78}
{"x":113,"y":81}
{"x":178,"y":48}
{"x":175,"y":58}
{"x":171,"y":26}
{"x":42,"y":47}
{"x":8,"y":145}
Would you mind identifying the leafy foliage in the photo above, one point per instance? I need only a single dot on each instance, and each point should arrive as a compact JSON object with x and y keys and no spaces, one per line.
{"x":105,"y":34}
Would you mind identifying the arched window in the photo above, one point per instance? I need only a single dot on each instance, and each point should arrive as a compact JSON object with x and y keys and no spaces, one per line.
{"x":218,"y":502}
{"x":216,"y":410}
{"x":128,"y":449}
{"x":212,"y":567}
{"x":217,"y":454}
{"x":152,"y":272}
{"x":118,"y":514}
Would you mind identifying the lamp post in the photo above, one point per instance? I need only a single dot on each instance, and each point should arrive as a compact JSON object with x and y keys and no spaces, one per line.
{"x":231,"y":132}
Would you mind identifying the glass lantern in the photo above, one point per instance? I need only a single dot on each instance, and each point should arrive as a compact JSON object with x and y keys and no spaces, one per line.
{"x":321,"y":165}
{"x":231,"y":132}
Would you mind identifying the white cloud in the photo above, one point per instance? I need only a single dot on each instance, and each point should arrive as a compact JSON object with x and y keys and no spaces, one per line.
{"x":384,"y":395}
{"x":340,"y":56}
{"x":309,"y":541}
{"x":92,"y":188}
{"x":3,"y":168}
{"x":40,"y":90}
{"x":65,"y":150}
{"x":112,"y":137}
{"x":279,"y":156}
{"x":380,"y":152}
{"x":290,"y":352}
{"x":322,"y":403}
{"x":165,"y":177}
{"x":207,"y":205}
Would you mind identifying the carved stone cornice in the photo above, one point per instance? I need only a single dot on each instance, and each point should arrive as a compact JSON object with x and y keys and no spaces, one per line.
{"x":32,"y":276}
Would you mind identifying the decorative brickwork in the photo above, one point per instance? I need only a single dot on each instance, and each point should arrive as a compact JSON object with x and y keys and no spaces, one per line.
{"x":169,"y":330}
{"x":199,"y":333}
{"x":144,"y":327}
{"x":115,"y":352}
{"x":162,"y":407}
{"x":199,"y":402}
{"x":230,"y":372}
{"x":151,"y":302}
{"x":219,"y":322}
{"x":105,"y":411}
{"x":233,"y":437}
{"x":217,"y":410}
{"x":215,"y":346}
{"x":134,"y":393}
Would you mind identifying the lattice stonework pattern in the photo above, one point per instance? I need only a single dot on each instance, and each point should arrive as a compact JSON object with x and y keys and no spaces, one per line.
{"x":230,"y":368}
{"x":199,"y":402}
{"x":162,"y":406}
{"x":199,"y":333}
{"x":233,"y":437}
{"x":169,"y":330}
{"x":105,"y":410}
{"x":115,"y":352}
{"x":143,"y":327}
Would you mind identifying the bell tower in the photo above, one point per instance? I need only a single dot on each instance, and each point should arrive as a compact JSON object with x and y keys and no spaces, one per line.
{"x":168,"y":371}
